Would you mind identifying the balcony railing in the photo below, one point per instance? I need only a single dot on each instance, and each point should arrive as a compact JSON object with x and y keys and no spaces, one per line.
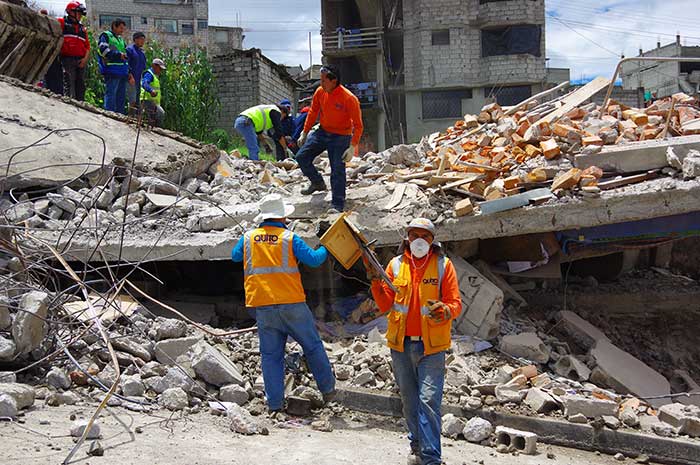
{"x":352,"y":39}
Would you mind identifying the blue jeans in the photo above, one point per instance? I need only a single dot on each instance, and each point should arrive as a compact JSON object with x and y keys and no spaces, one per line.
{"x":275,"y":324}
{"x":245,"y":128}
{"x":336,"y":145}
{"x":421,"y":379}
{"x":115,"y":93}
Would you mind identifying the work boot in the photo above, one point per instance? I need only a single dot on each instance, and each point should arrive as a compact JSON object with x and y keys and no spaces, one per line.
{"x":314,"y":187}
{"x":329,"y":397}
{"x":414,"y":459}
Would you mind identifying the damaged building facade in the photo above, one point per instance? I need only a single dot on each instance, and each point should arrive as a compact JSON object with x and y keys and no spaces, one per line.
{"x":417,"y":65}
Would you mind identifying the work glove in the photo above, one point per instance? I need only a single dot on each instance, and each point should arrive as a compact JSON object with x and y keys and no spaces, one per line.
{"x":439,"y":311}
{"x":322,"y":227}
{"x":372,"y":274}
{"x":302,"y":139}
{"x":349,"y":153}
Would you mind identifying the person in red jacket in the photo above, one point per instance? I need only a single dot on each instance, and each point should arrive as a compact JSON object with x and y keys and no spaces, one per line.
{"x":75,"y":50}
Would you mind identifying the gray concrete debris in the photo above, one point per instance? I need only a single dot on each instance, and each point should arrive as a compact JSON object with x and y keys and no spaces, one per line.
{"x":28,"y":327}
{"x":477,"y":429}
{"x":242,"y":421}
{"x":589,"y":406}
{"x":8,"y":406}
{"x":8,"y":377}
{"x":451,"y":426}
{"x":405,"y":155}
{"x":363,"y":377}
{"x":526,"y":345}
{"x":132,"y":345}
{"x":540,"y":401}
{"x":234,"y":393}
{"x":213,"y":367}
{"x":578,"y":418}
{"x":570,"y":367}
{"x":7,"y":349}
{"x":56,"y":399}
{"x":344,"y":372}
{"x":79,"y":427}
{"x":629,"y":417}
{"x":516,"y":440}
{"x":158,"y":186}
{"x":626,"y":374}
{"x":482,"y":302}
{"x":58,"y":378}
{"x":21,"y":393}
{"x":584,"y":333}
{"x":663,"y":429}
{"x":20,"y":212}
{"x":312,"y":395}
{"x":132,"y":386}
{"x":172,"y":379}
{"x":611,"y":422}
{"x":169,"y":350}
{"x":96,"y":449}
{"x":298,"y":406}
{"x":170,"y":328}
{"x":685,"y":419}
{"x":5,"y":316}
{"x":174,"y":399}
{"x":506,"y":393}
{"x":691,"y":165}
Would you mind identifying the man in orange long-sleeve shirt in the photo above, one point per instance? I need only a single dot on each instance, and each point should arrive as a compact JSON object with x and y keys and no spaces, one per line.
{"x":339,"y":134}
{"x":419,"y":332}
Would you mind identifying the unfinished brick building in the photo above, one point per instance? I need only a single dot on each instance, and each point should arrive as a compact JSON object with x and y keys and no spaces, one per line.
{"x":418,"y":64}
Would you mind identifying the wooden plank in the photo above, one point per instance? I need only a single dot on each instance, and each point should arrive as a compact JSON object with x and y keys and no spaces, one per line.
{"x":396,"y":197}
{"x":461,"y":182}
{"x":615,"y":183}
{"x":573,"y":101}
{"x":421,"y":175}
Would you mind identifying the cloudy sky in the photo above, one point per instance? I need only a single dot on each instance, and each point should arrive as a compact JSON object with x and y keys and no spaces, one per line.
{"x":586,"y":36}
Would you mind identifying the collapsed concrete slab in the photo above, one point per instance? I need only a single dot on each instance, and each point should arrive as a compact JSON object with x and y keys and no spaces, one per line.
{"x":626,"y":374}
{"x":27,"y":115}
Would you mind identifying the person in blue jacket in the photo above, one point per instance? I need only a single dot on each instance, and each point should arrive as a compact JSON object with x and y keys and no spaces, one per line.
{"x":137,"y":65}
{"x":114,"y":66}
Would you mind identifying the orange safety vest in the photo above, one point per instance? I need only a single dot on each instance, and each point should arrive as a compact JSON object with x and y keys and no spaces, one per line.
{"x":436,"y":336}
{"x":270,"y":268}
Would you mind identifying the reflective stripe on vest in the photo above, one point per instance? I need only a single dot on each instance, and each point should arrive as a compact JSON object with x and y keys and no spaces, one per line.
{"x":396,"y":268}
{"x":119,"y":44}
{"x":155,"y":85}
{"x":260,"y":116}
{"x":287,"y":238}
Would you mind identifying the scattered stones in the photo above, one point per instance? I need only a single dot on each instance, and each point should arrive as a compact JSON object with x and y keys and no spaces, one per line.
{"x":629,"y":417}
{"x":170,"y":329}
{"x":620,"y":457}
{"x":526,"y":345}
{"x":96,"y":449}
{"x":79,"y":427}
{"x":540,"y":401}
{"x":132,"y":386}
{"x":234,"y":393}
{"x":21,"y":393}
{"x":28,"y":327}
{"x":174,"y":399}
{"x":169,"y":350}
{"x":685,"y":419}
{"x":572,"y":368}
{"x":578,"y":418}
{"x":477,"y":429}
{"x":7,"y":349}
{"x":242,"y":421}
{"x":8,"y":406}
{"x":8,"y":377}
{"x":56,"y":399}
{"x":451,"y":426}
{"x":324,"y":426}
{"x":58,"y":378}
{"x":611,"y":422}
{"x":213,"y":367}
{"x":363,"y":377}
{"x":344,"y":372}
{"x":298,"y":406}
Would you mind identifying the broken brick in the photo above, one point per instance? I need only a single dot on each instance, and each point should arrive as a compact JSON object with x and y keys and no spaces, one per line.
{"x":537,"y":175}
{"x":640,"y":119}
{"x":470,"y":121}
{"x":592,"y":140}
{"x":550,"y":148}
{"x":464,"y":207}
{"x":511,"y":182}
{"x":593,"y":171}
{"x":567,"y":180}
{"x":532,"y":151}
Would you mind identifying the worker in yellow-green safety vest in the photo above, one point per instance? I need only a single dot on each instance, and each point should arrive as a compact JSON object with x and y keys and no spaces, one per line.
{"x":151,"y":93}
{"x":114,"y":66}
{"x":255,"y":121}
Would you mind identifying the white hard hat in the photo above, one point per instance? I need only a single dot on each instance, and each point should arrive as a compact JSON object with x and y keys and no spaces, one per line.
{"x":159,"y":62}
{"x":422,"y":223}
{"x":273,"y":206}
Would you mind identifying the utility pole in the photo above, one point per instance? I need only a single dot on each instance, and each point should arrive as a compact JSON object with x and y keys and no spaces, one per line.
{"x":311,"y":56}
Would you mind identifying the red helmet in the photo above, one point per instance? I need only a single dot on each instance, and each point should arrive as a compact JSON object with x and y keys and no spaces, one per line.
{"x":76,"y":6}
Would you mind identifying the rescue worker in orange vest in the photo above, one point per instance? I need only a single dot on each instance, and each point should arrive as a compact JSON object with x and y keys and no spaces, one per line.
{"x":270,"y":254}
{"x":419,"y":332}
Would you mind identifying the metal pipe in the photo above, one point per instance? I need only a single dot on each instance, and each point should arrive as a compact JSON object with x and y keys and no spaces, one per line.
{"x":625,"y":60}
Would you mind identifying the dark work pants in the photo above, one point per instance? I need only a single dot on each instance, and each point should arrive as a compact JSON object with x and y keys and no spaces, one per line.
{"x":73,"y":78}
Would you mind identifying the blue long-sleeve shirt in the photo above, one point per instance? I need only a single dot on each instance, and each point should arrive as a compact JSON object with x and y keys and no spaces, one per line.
{"x":303,"y":253}
{"x":147,"y":80}
{"x":137,"y":62}
{"x":111,"y":55}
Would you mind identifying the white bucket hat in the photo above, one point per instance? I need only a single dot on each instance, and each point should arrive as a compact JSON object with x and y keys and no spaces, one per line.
{"x":272,"y":206}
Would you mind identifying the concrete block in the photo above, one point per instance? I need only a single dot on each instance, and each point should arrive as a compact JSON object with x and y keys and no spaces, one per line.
{"x":214,"y":367}
{"x":169,"y":350}
{"x":540,"y":401}
{"x":591,"y":407}
{"x":626,"y":374}
{"x":526,"y":345}
{"x":522,"y":441}
{"x":570,"y":367}
{"x":28,"y":327}
{"x":584,"y":333}
{"x":482,"y":302}
{"x":684,"y":418}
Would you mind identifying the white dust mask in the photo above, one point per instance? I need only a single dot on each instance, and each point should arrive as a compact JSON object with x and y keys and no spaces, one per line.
{"x":420,"y":248}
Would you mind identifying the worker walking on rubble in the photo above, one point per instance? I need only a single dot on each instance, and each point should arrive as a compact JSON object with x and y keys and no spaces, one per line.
{"x":339,"y":134}
{"x":151,"y":92}
{"x":419,"y":332}
{"x":255,"y":121}
{"x":114,"y":66}
{"x":271,"y":255}
{"x":75,"y":51}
